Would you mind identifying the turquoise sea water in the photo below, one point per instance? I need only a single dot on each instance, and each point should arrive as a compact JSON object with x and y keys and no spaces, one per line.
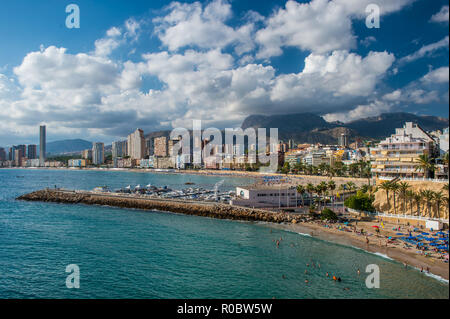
{"x":141,"y":254}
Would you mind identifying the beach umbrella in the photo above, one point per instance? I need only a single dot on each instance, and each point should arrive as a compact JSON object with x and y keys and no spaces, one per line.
{"x":425,"y":234}
{"x":399,"y":234}
{"x":375,"y":226}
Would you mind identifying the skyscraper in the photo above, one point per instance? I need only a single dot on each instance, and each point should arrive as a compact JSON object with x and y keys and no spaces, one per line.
{"x":136,"y":145}
{"x":42,"y":142}
{"x":32,"y":151}
{"x":98,"y":153}
{"x":2,"y":154}
{"x":119,"y":149}
{"x":160,"y":146}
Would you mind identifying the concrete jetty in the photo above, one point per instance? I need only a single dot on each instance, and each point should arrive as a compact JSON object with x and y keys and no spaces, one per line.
{"x":213,"y":210}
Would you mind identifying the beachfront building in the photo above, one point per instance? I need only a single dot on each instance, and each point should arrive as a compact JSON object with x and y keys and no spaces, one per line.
{"x":98,"y":153}
{"x":293,"y":158}
{"x":42,"y":144}
{"x":160,"y":146}
{"x":315,"y":158}
{"x":260,"y":196}
{"x":77,"y":163}
{"x":397,"y":155}
{"x":32,"y":162}
{"x":149,"y":149}
{"x":165,"y":162}
{"x":18,"y":155}
{"x":2,"y":154}
{"x":87,"y":154}
{"x":443,"y":141}
{"x":147,"y":163}
{"x":32,"y":151}
{"x":136,"y":145}
{"x":119,"y":149}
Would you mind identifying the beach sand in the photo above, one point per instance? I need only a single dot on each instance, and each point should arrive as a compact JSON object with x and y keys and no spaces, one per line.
{"x":376,"y":244}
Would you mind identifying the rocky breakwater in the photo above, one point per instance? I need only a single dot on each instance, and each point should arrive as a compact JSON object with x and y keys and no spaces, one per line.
{"x":213,"y":210}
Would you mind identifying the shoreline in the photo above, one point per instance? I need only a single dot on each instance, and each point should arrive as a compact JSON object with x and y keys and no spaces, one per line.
{"x":283,"y":221}
{"x":398,"y":254}
{"x":296,"y":179}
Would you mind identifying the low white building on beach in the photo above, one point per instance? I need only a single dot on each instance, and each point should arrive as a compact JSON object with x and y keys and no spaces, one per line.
{"x":260,"y":196}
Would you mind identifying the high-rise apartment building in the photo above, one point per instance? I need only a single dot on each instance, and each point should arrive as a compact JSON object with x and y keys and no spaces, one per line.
{"x":42,"y":145}
{"x":149,"y":149}
{"x":397,"y":156}
{"x":86,"y":154}
{"x":119,"y":149}
{"x":2,"y":154}
{"x":170,"y":146}
{"x":343,"y":140}
{"x":98,"y":153}
{"x":18,"y":155}
{"x":160,"y":146}
{"x":136,"y":145}
{"x":32,"y":151}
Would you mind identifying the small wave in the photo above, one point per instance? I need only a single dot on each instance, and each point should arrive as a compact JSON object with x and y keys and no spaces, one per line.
{"x":303,"y":234}
{"x":438,"y":278}
{"x":382,"y":255}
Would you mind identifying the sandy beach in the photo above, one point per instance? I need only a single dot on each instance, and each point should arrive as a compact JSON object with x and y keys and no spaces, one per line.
{"x":376,"y":244}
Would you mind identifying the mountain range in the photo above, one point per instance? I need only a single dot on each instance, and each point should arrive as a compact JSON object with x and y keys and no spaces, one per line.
{"x":301,"y":127}
{"x":312,"y":128}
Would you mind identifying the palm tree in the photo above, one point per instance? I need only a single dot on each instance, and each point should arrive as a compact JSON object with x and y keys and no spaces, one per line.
{"x":386,"y":187}
{"x":301,"y":190}
{"x":438,"y":199}
{"x":446,"y":205}
{"x":311,"y":189}
{"x":410,"y":195}
{"x":351,"y":186}
{"x":428,"y":195}
{"x":445,"y":187}
{"x":403,"y":188}
{"x":395,"y":188}
{"x":424,"y":164}
{"x":321,"y":189}
{"x":332,"y":187}
{"x":418,"y":199}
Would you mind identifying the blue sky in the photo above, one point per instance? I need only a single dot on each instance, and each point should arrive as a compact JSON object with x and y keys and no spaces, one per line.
{"x":160,"y":64}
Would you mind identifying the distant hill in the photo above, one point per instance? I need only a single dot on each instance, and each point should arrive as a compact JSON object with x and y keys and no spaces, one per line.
{"x":312,"y":128}
{"x":385,"y":124}
{"x":68,"y":146}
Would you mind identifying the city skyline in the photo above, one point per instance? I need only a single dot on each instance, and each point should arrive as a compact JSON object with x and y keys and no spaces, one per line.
{"x":160,"y":65}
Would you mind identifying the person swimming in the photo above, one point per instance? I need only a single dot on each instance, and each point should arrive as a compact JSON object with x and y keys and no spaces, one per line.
{"x":359,"y":272}
{"x":327,"y":274}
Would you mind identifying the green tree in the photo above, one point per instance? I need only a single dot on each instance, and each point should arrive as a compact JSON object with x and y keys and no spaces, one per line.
{"x":328,"y":214}
{"x":438,"y":199}
{"x":428,"y":195}
{"x":394,"y":189}
{"x":301,"y":190}
{"x":386,"y":187}
{"x":402,"y":189}
{"x":410,"y":196}
{"x":424,"y":165}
